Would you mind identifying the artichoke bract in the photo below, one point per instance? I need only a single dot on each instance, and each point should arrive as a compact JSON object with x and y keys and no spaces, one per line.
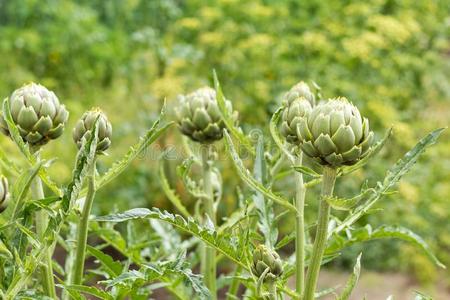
{"x":264,"y":258}
{"x":199,"y":117}
{"x":298,"y":102}
{"x":37,"y":113}
{"x":4,"y":194}
{"x":334,"y":133}
{"x":83,"y":129}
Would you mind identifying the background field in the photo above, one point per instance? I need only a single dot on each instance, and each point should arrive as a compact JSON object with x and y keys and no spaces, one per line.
{"x":391,"y":58}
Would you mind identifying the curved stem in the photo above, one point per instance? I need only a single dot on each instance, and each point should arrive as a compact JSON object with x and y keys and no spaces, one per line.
{"x":329,"y":178}
{"x":82,"y":233}
{"x":300,"y":230}
{"x":48,"y":282}
{"x":210,"y":253}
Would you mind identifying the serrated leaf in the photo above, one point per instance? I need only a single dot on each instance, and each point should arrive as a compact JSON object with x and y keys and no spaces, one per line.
{"x":338,"y":242}
{"x":249,"y":180}
{"x":393,"y":176}
{"x":220,"y":242}
{"x":228,"y":120}
{"x":112,"y":267}
{"x":171,"y":195}
{"x":84,"y":161}
{"x":91,"y":290}
{"x":119,"y":166}
{"x":266,"y":222}
{"x":375,"y":149}
{"x":347,"y":203}
{"x":352,"y":281}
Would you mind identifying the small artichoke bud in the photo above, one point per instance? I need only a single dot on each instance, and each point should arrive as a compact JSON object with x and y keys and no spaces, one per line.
{"x":298,"y":102}
{"x":199,"y":117}
{"x":264,"y":258}
{"x":37,"y":113}
{"x":299,"y":91}
{"x":83,"y":127}
{"x":334,"y":133}
{"x":4,"y":194}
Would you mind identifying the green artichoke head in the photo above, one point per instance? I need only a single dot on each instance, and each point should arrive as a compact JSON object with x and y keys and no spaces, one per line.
{"x":264,"y":258}
{"x":83,"y":129}
{"x":199,"y":117}
{"x":4,"y":194}
{"x":334,"y":133}
{"x":298,"y":103}
{"x":37,"y":113}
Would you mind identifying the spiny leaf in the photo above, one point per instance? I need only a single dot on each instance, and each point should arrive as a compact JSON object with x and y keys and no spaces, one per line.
{"x":338,"y":242}
{"x":84,"y":161}
{"x":347,"y":203}
{"x":393,"y":176}
{"x":119,"y":166}
{"x":375,"y":149}
{"x":266,"y":222}
{"x":112,"y":267}
{"x":171,"y":195}
{"x":352,"y":281}
{"x":249,"y":180}
{"x":220,"y":242}
{"x":228,"y":120}
{"x":91,"y":290}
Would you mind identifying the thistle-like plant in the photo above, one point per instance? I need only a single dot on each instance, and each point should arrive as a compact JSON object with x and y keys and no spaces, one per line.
{"x":39,"y":117}
{"x":93,"y":122}
{"x":199,"y":118}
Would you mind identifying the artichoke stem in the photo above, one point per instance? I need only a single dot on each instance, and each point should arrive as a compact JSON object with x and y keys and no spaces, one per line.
{"x":300,"y":229}
{"x":82,"y":233}
{"x":37,"y":192}
{"x":210,"y":253}
{"x":272,"y":287}
{"x":329,"y":178}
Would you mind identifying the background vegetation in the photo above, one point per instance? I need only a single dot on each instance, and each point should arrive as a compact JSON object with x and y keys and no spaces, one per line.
{"x":389,"y":57}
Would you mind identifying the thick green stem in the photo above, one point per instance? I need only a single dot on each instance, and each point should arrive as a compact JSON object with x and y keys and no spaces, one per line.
{"x":300,"y":230}
{"x":210,"y":253}
{"x":234,"y":287}
{"x":82,"y":230}
{"x":272,"y":287}
{"x":329,"y":177}
{"x":48,"y":282}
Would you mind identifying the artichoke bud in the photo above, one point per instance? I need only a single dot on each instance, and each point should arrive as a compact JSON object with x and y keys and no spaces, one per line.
{"x":334,"y":133}
{"x":298,"y":103}
{"x":299,"y":91}
{"x":37,"y":113}
{"x":83,"y":129}
{"x":199,"y":118}
{"x":264,"y":258}
{"x":4,"y":194}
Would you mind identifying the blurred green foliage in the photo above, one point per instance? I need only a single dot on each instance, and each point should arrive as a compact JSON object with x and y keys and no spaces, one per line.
{"x":391,"y":58}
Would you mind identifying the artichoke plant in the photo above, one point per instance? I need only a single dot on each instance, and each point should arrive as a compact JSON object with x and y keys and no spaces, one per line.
{"x":37,"y":113}
{"x":264,"y":258}
{"x":334,"y":133}
{"x":199,"y":117}
{"x":83,"y":127}
{"x":298,"y":102}
{"x":4,"y":194}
